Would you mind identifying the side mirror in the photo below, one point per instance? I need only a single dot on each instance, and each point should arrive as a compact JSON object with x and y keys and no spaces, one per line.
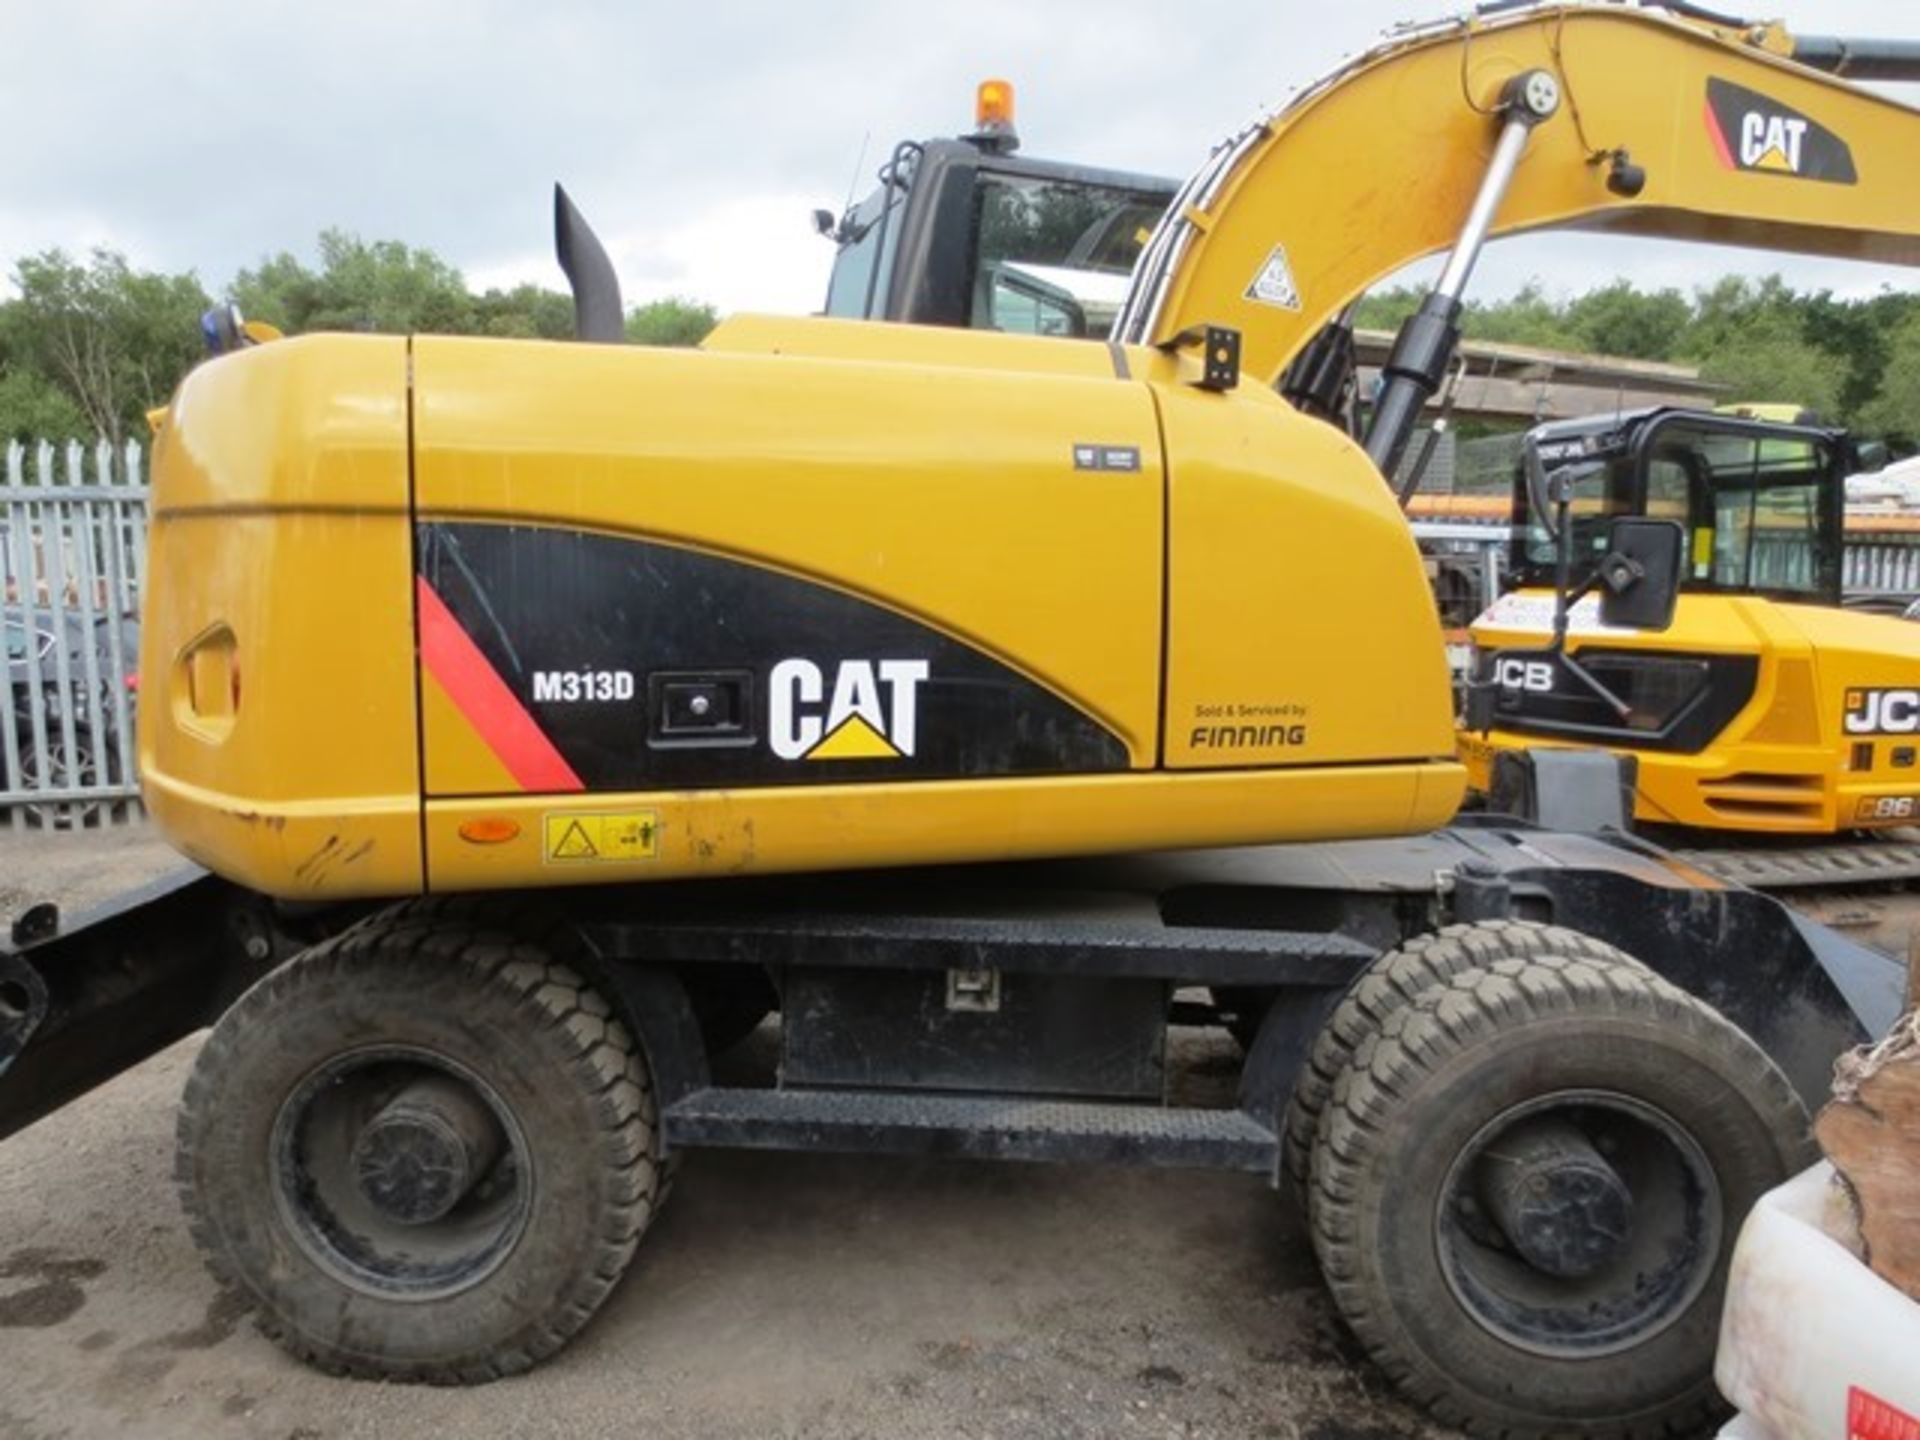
{"x":1549,"y":487}
{"x":1870,"y":457}
{"x":824,"y":223}
{"x":1640,"y":576}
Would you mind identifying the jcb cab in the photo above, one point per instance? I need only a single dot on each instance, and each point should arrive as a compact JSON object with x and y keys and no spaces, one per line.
{"x":1765,"y":706}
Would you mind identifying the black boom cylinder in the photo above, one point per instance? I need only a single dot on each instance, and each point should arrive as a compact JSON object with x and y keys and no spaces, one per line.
{"x":1859,"y":59}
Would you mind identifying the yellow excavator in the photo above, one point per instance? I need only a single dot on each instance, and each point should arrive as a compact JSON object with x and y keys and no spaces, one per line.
{"x":631,"y":677}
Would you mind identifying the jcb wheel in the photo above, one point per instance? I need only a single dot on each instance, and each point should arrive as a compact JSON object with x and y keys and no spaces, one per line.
{"x":1396,"y":980}
{"x":422,"y":1149}
{"x":1525,"y":1200}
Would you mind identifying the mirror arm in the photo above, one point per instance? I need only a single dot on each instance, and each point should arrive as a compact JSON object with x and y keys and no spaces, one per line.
{"x":1593,"y":682}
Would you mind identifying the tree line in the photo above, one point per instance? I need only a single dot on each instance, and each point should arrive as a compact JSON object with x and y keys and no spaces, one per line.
{"x":88,"y":346}
{"x":1854,"y":362}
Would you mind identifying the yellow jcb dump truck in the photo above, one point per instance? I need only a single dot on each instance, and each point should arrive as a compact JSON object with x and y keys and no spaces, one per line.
{"x":648,"y":687}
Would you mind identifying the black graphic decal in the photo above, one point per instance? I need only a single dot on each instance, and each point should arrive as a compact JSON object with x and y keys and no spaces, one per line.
{"x":650,"y":665}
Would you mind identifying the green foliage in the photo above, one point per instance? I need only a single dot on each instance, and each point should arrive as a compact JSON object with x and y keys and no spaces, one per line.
{"x":34,"y":408}
{"x":671,"y":322}
{"x":1387,"y":309}
{"x":1894,"y":409}
{"x":1620,"y":320}
{"x":1528,"y":318}
{"x":525,"y":312}
{"x":110,"y":338}
{"x":87,"y":347}
{"x":379,"y":285}
{"x":1756,"y":339}
{"x":1779,"y":369}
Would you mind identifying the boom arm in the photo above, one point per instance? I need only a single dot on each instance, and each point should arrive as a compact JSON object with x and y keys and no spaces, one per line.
{"x":1379,"y":164}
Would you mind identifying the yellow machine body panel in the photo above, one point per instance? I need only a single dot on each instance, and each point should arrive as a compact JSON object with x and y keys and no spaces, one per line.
{"x":1283,"y":648}
{"x":278,"y":738}
{"x":1811,"y":725}
{"x":795,"y":602}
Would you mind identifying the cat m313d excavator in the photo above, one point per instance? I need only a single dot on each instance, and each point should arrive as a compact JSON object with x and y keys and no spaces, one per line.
{"x":979,"y":701}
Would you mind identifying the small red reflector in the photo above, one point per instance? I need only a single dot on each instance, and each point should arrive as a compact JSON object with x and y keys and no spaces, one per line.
{"x":489,"y":830}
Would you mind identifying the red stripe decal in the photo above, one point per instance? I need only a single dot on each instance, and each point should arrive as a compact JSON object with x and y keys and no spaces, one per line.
{"x":479,"y":693}
{"x":1719,"y":138}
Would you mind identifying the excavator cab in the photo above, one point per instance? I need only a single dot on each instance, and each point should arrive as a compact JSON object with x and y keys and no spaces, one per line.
{"x":969,"y":233}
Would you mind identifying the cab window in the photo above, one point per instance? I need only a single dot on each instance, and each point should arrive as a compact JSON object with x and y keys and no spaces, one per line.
{"x":853,"y":291}
{"x":1054,"y":258}
{"x":1762,"y":511}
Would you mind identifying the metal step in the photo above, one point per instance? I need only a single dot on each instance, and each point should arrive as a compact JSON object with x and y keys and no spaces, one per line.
{"x":1055,"y":945}
{"x":978,"y":1127}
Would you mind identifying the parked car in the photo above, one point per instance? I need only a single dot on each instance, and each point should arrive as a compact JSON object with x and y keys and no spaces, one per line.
{"x":36,"y":638}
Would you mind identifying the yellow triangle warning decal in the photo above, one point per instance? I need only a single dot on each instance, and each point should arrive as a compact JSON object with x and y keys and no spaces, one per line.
{"x":1774,"y":159}
{"x":574,"y":844}
{"x":854,"y":740}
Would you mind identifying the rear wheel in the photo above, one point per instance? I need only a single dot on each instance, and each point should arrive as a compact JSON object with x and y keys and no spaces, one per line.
{"x":1527,"y":1189}
{"x":1391,"y":983}
{"x":420,"y":1110}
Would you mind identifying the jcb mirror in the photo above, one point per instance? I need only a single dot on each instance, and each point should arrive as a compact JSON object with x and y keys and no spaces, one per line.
{"x":1870,"y":457}
{"x":1640,"y":576}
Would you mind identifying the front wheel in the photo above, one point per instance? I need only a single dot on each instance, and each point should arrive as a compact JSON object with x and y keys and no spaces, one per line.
{"x":1527,"y":1189}
{"x":424,"y":1150}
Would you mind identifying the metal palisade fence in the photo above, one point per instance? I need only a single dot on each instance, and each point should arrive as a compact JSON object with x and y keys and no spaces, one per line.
{"x":73,"y":531}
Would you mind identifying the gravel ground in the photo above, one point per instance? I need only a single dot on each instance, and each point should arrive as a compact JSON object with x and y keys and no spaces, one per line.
{"x":778,"y":1296}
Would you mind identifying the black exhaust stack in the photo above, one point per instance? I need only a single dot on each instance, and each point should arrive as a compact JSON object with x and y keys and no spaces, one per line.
{"x":598,"y":314}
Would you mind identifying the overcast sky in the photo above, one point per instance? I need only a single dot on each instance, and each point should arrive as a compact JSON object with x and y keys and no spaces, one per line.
{"x":204,"y":134}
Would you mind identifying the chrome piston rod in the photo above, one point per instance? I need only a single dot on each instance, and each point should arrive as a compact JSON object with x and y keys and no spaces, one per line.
{"x":1425,"y":346}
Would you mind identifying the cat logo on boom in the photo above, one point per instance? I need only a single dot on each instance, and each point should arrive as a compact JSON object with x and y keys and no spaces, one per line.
{"x":1751,"y":132}
{"x":870,"y":713}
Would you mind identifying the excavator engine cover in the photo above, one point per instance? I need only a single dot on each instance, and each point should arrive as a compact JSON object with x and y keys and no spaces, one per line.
{"x":457,"y":614}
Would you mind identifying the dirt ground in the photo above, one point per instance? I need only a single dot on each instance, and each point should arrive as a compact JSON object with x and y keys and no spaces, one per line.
{"x":777,"y":1296}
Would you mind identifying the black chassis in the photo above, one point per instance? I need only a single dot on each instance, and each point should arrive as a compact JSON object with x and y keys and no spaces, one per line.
{"x":998,"y":1011}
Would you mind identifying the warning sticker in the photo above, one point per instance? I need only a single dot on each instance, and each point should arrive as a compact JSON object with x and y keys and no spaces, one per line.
{"x":1274,"y":284}
{"x":572,"y":839}
{"x":1871,"y":1418}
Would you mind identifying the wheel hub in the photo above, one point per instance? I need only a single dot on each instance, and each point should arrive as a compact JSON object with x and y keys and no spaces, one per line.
{"x":418,"y":1158}
{"x":1562,"y":1207}
{"x":1578,"y":1223}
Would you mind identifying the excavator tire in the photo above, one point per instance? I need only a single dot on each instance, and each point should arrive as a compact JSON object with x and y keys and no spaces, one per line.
{"x":1396,"y":980}
{"x":1526,"y":1194}
{"x":420,"y":1108}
